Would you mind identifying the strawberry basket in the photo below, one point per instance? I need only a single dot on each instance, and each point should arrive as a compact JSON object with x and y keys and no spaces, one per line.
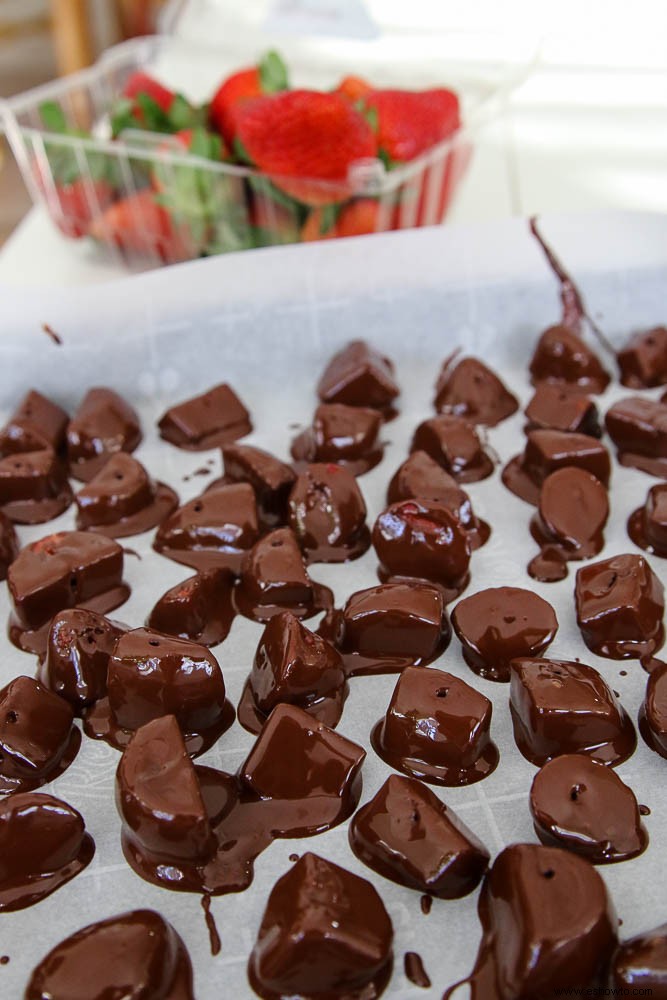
{"x":113,"y":167}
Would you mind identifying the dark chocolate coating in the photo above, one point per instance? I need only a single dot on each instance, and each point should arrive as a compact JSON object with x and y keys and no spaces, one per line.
{"x":210,"y":420}
{"x":33,"y":487}
{"x":548,"y":924}
{"x":103,"y":424}
{"x":638,"y":428}
{"x":468,"y":388}
{"x":36,"y":423}
{"x":137,"y":955}
{"x":620,"y":605}
{"x":79,"y":645}
{"x":653,"y":711}
{"x":572,"y":511}
{"x":346,"y":435}
{"x":406,"y":834}
{"x":454,"y":444}
{"x":212,"y":531}
{"x":499,"y":624}
{"x":642,"y":361}
{"x":358,"y":375}
{"x":122,"y":499}
{"x":270,"y":478}
{"x":560,"y":707}
{"x":327,"y":514}
{"x":43,"y":844}
{"x":37,"y":738}
{"x":562,"y":356}
{"x":200,"y":608}
{"x":437,"y":728}
{"x":150,"y":675}
{"x":9,"y":545}
{"x":647,"y":526}
{"x":580,"y":804}
{"x":641,"y":963}
{"x":548,"y":451}
{"x":325,"y":935}
{"x":559,"y":407}
{"x":422,"y":539}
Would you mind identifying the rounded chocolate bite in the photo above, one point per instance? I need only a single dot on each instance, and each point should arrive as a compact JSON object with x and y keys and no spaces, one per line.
{"x":33,"y":487}
{"x":123,"y":500}
{"x":580,"y":804}
{"x":437,"y":728}
{"x":327,"y":514}
{"x":270,"y":478}
{"x":43,"y":844}
{"x":653,"y":711}
{"x":424,"y":540}
{"x":647,"y":526}
{"x":499,"y":624}
{"x":151,"y":675}
{"x":144,"y":958}
{"x":638,"y":428}
{"x":560,"y":407}
{"x":547,"y":452}
{"x":210,"y":420}
{"x":468,"y":388}
{"x":642,"y":361}
{"x":36,"y":423}
{"x":200,"y":608}
{"x":572,"y":511}
{"x":324,"y":933}
{"x":345,"y":435}
{"x":620,"y":606}
{"x":640,"y":963}
{"x":406,"y":834}
{"x":358,"y":375}
{"x":454,"y":444}
{"x":103,"y":424}
{"x":9,"y":545}
{"x":563,"y":707}
{"x":562,"y":356}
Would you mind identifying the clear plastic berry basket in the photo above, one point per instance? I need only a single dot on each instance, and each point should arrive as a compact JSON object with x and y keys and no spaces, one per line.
{"x":225,"y":207}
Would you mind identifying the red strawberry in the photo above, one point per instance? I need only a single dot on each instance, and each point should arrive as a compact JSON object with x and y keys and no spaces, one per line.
{"x":356,"y":218}
{"x":410,"y":122}
{"x":268,"y":77}
{"x":77,"y":204}
{"x":142,"y":83}
{"x":305,"y":134}
{"x":139,"y":225}
{"x":353,"y":87}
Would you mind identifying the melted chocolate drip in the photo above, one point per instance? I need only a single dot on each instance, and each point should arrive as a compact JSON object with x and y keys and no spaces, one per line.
{"x":426,"y":904}
{"x":571,"y":514}
{"x":103,"y":424}
{"x":122,"y":500}
{"x":208,"y":421}
{"x":54,"y":337}
{"x":200,"y":608}
{"x":345,"y":435}
{"x":413,"y":967}
{"x":468,"y":388}
{"x":211,"y":927}
{"x":454,"y":444}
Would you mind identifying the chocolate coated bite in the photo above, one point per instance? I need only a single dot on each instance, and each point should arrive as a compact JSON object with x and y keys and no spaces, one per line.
{"x":345,"y":435}
{"x":36,"y":424}
{"x":437,"y":728}
{"x":653,"y":711}
{"x":641,"y":963}
{"x":638,"y":428}
{"x":499,"y":624}
{"x":327,"y":514}
{"x":33,"y":487}
{"x":210,"y":420}
{"x":560,"y":407}
{"x":43,"y":844}
{"x":200,"y":608}
{"x":548,"y":451}
{"x":454,"y":444}
{"x":548,"y":924}
{"x":562,"y":355}
{"x":468,"y":388}
{"x":562,"y":707}
{"x":358,"y":375}
{"x":580,"y":804}
{"x":270,"y":478}
{"x":406,"y":834}
{"x":77,"y":655}
{"x":325,"y":933}
{"x":620,"y":606}
{"x":123,"y":500}
{"x":647,"y":526}
{"x":144,"y":954}
{"x":9,"y":545}
{"x":643,"y":359}
{"x":149,"y":675}
{"x":103,"y":424}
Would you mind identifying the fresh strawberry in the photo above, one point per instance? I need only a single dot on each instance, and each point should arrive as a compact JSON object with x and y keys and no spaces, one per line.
{"x":358,"y":217}
{"x":140,"y":225}
{"x":146,"y":104}
{"x":305,"y":134}
{"x":141,"y":83}
{"x":353,"y":87}
{"x":410,"y":122}
{"x":269,"y":77}
{"x":320,"y":224}
{"x":78,"y":204}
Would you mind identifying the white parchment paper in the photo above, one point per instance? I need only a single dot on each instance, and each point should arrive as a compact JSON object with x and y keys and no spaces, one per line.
{"x":267,"y":322}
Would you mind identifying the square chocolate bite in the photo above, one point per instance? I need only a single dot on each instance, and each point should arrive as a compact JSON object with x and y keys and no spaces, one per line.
{"x":396,"y":619}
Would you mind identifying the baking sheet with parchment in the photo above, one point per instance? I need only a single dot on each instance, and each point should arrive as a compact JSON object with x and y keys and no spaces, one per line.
{"x":267,"y":322}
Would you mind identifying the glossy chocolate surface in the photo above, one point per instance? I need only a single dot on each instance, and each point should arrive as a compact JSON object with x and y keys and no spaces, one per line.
{"x":559,"y":707}
{"x":137,"y":955}
{"x":455,"y":445}
{"x":499,"y":624}
{"x":297,"y":666}
{"x":103,"y":424}
{"x":653,"y":711}
{"x":562,"y":355}
{"x":9,"y":545}
{"x":638,"y":428}
{"x":122,"y":500}
{"x":36,"y":423}
{"x":77,"y":655}
{"x":274,"y":579}
{"x":327,"y":514}
{"x":548,"y":923}
{"x":33,"y":487}
{"x":200,"y":608}
{"x":64,"y":570}
{"x":325,"y":934}
{"x":642,"y":361}
{"x":559,"y":407}
{"x":437,"y":728}
{"x":345,"y":435}
{"x":620,"y":606}
{"x":406,"y":834}
{"x":580,"y":804}
{"x":647,"y":526}
{"x":468,"y":388}
{"x":358,"y":375}
{"x":151,"y":675}
{"x":270,"y":478}
{"x":421,"y":476}
{"x":641,"y":963}
{"x":43,"y":844}
{"x":208,"y":421}
{"x":424,"y":540}
{"x":547,"y":452}
{"x":213,"y":530}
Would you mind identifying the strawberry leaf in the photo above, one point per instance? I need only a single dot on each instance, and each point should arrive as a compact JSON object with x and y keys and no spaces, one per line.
{"x":180,"y":114}
{"x":389,"y":164}
{"x":273,"y":73}
{"x":370,"y":114}
{"x":53,"y":116}
{"x":241,"y":152}
{"x":328,"y":218}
